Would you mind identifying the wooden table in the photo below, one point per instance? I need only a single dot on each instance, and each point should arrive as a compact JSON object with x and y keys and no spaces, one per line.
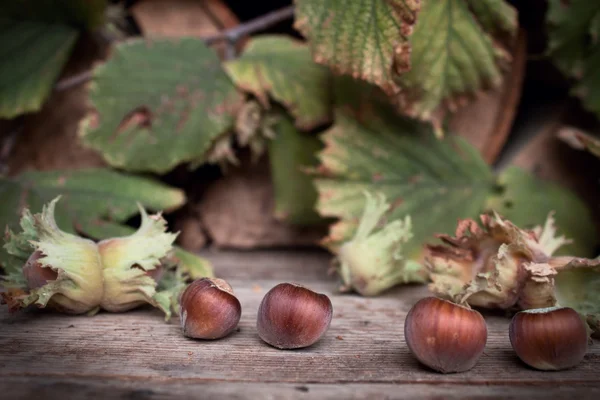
{"x":137,"y":355}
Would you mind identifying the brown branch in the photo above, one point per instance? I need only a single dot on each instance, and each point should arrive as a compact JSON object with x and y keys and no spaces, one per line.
{"x":252,"y":26}
{"x":72,"y":81}
{"x":231,"y":36}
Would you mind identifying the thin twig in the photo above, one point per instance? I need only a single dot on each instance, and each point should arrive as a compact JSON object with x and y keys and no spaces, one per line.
{"x":74,"y":80}
{"x":252,"y":26}
{"x":231,"y":36}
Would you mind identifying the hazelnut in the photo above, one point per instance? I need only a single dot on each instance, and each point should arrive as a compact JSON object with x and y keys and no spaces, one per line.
{"x":291,"y":316}
{"x":552,"y":338}
{"x":445,"y":336}
{"x":36,"y":275}
{"x":209,"y":309}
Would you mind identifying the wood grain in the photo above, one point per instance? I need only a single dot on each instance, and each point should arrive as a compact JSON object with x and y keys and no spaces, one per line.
{"x":237,"y":211}
{"x":90,"y":389}
{"x":177,"y":18}
{"x":180,"y":18}
{"x":138,"y":355}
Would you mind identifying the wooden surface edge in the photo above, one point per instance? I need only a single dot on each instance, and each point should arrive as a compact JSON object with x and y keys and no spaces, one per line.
{"x":69,"y":388}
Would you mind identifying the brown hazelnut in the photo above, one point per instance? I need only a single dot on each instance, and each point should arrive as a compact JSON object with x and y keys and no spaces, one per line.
{"x":552,"y":338}
{"x":36,"y":275}
{"x":291,"y":316}
{"x":445,"y":336}
{"x":208,"y":309}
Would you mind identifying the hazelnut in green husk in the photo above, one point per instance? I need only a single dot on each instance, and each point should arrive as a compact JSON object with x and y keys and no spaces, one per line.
{"x":373,"y":260}
{"x":499,"y":265}
{"x":132,"y":264}
{"x":51,"y":268}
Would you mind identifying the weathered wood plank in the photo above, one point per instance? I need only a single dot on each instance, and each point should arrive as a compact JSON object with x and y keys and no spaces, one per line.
{"x":365,"y":345}
{"x":90,"y":389}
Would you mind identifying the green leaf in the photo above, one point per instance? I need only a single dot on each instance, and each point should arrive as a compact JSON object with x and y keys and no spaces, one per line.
{"x":577,"y":285}
{"x":159,"y":103}
{"x":281,"y":67}
{"x":527,"y":200}
{"x":89,"y":196}
{"x":454,"y":54}
{"x":290,"y":153}
{"x":32,"y":55}
{"x":574,"y":45}
{"x":435,"y":182}
{"x":87,"y":14}
{"x":495,"y":16}
{"x":364,"y":39}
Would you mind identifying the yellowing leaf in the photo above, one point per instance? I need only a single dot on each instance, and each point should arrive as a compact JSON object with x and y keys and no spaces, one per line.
{"x":159,"y":103}
{"x":454,"y":54}
{"x":365,"y":39}
{"x":281,"y":67}
{"x":435,"y":182}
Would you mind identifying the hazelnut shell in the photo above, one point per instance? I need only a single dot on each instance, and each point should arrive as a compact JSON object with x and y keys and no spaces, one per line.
{"x":292,"y":316}
{"x":549,"y":339}
{"x":445,"y":336}
{"x":36,"y":275}
{"x":209,"y":309}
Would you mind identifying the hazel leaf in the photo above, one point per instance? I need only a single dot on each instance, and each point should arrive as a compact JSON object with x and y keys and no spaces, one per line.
{"x":36,"y":39}
{"x":574,"y":45}
{"x":527,"y":200}
{"x":372,"y":149}
{"x":281,"y":68}
{"x":159,"y":103}
{"x":290,"y":153}
{"x":456,"y":52}
{"x":368,"y":40}
{"x":32,"y":54}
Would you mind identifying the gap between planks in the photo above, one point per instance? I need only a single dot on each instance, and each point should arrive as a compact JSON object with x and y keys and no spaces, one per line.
{"x":18,"y":388}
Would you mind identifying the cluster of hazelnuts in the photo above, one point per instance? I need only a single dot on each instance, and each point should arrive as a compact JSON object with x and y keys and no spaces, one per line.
{"x":442,"y":335}
{"x":289,"y":317}
{"x":449,"y":337}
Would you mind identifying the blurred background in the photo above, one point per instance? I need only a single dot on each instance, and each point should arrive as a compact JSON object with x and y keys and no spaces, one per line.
{"x":234,"y":206}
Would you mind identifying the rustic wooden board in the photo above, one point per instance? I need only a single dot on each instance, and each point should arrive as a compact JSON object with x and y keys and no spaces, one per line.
{"x":137,"y":355}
